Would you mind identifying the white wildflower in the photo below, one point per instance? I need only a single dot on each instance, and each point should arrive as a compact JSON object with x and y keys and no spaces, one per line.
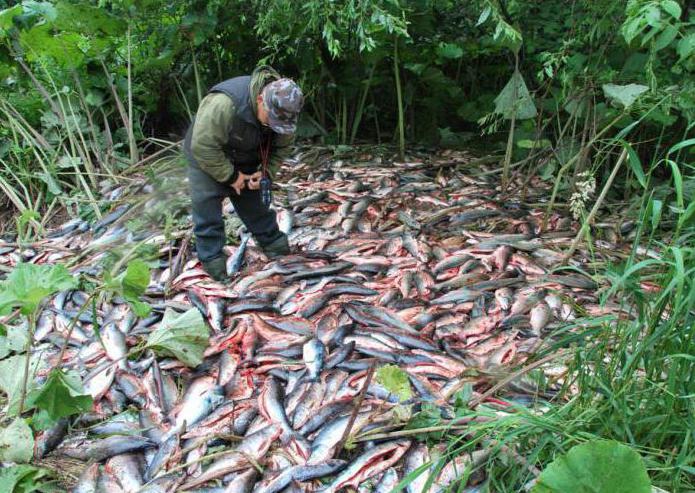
{"x":585,"y":188}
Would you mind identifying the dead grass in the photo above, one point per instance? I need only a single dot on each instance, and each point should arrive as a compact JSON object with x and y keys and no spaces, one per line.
{"x":64,"y":469}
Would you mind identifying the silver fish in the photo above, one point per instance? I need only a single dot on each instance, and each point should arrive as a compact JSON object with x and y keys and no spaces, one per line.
{"x":504,"y":298}
{"x":227,"y":368}
{"x":416,"y":457}
{"x":216,"y":314}
{"x":87,"y":482}
{"x":554,"y":302}
{"x":108,"y":483}
{"x":322,"y":448}
{"x":165,"y":452}
{"x":388,"y":481}
{"x":242,"y":482}
{"x":201,"y":398}
{"x":540,"y":316}
{"x":98,"y":381}
{"x":114,"y":344}
{"x":235,"y":261}
{"x":270,"y":405}
{"x":285,"y":220}
{"x":299,"y":473}
{"x":323,"y":415}
{"x":49,"y":439}
{"x":126,"y":469}
{"x":314,"y":353}
{"x":458,"y":296}
{"x":455,"y":469}
{"x":103,"y":448}
{"x":567,"y":313}
{"x":368,"y":464}
{"x":253,"y":447}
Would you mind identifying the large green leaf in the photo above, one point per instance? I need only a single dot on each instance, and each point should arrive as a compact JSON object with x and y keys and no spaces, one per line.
{"x":64,"y":47}
{"x":6,"y":17}
{"x":666,"y":37}
{"x":40,"y":10}
{"x":16,"y":442}
{"x":89,"y":20}
{"x":484,"y":15}
{"x":599,"y":466}
{"x":449,"y":50}
{"x":24,"y":478}
{"x":11,"y":375}
{"x":515,"y":98}
{"x":183,"y":336}
{"x":135,"y":279}
{"x":686,"y":46}
{"x":395,"y":380}
{"x":131,"y":284}
{"x":672,"y":7}
{"x":507,"y":35}
{"x":12,"y":340}
{"x":28,"y":284}
{"x":61,"y":395}
{"x":624,"y":95}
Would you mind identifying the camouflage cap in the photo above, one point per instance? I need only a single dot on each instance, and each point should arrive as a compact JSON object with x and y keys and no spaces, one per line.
{"x":283,"y":99}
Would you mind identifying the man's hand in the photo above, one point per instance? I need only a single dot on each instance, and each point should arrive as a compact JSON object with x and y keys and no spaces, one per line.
{"x":239,"y":183}
{"x":252,"y":182}
{"x":255,"y":181}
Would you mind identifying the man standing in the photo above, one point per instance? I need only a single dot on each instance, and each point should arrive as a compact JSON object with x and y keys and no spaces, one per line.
{"x":241,"y":123}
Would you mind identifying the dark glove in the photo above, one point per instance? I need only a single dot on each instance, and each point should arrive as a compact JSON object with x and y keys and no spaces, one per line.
{"x":217,"y":268}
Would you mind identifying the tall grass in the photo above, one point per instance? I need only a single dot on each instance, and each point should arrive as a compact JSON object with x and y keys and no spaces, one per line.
{"x":62,"y":160}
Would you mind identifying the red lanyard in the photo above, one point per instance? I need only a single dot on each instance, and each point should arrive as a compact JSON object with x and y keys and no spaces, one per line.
{"x":265,"y":153}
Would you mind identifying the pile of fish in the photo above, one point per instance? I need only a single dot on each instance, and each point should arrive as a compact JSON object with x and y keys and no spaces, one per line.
{"x":418,"y":264}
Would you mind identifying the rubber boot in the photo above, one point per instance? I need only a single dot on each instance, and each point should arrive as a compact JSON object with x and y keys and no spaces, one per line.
{"x":277,"y":248}
{"x":217,"y":268}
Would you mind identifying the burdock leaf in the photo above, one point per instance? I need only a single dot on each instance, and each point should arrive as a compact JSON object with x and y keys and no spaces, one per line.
{"x":136,"y":279}
{"x":395,"y":380}
{"x":183,"y":336}
{"x":22,"y":478}
{"x":132,"y":284}
{"x":140,"y":309}
{"x":16,"y":442}
{"x":28,"y":284}
{"x":598,"y":466}
{"x":624,"y":95}
{"x":61,"y":395}
{"x":11,"y":375}
{"x":515,"y":98}
{"x":12,"y":340}
{"x":7,"y":15}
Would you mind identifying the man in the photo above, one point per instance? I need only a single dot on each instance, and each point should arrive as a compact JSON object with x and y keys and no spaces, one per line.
{"x":239,"y":121}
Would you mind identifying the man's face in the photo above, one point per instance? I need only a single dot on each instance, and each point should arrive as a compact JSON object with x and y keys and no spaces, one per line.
{"x":262,"y":112}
